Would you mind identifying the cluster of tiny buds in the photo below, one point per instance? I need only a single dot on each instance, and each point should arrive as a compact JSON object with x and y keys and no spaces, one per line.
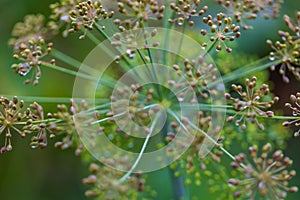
{"x":293,"y":26}
{"x":31,"y":54}
{"x":10,"y":115}
{"x":185,"y":10}
{"x":263,"y":176}
{"x":107,"y":185}
{"x":196,"y":73}
{"x":250,"y":9}
{"x":66,"y":126}
{"x":221,"y":30}
{"x":86,"y":14}
{"x":295,"y":99}
{"x":251,"y":103}
{"x":60,"y":15}
{"x":128,"y":40}
{"x":140,"y":9}
{"x":288,"y":51}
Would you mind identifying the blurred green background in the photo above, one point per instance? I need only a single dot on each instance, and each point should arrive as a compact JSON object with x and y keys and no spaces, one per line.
{"x":48,"y":174}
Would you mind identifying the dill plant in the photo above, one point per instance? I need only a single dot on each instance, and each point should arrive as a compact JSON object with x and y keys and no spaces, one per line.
{"x":158,"y":81}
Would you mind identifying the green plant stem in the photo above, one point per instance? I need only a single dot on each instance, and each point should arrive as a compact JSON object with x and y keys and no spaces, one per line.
{"x":39,"y":121}
{"x":125,"y":177}
{"x":127,"y":65}
{"x":177,"y":181}
{"x":201,"y":131}
{"x":246,"y":70}
{"x":210,"y":47}
{"x":68,"y":71}
{"x":53,"y":99}
{"x":72,"y":62}
{"x":81,"y":75}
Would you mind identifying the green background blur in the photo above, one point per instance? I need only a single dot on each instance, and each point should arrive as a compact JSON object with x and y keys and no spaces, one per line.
{"x":49,"y":174}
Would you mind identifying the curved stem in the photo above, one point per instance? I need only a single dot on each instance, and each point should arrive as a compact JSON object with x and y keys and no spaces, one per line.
{"x":121,"y":180}
{"x":201,"y":131}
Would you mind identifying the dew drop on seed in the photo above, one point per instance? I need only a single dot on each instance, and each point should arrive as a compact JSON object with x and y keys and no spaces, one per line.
{"x":64,"y":18}
{"x":272,"y":58}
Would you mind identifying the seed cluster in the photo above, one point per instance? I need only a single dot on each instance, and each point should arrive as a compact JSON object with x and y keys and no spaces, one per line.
{"x":129,"y":41}
{"x":86,"y":14}
{"x":31,"y":55}
{"x":252,"y":103}
{"x":106,"y":184}
{"x":245,"y":10}
{"x":31,"y":47}
{"x":138,"y":12}
{"x":60,"y":15}
{"x":11,"y":114}
{"x":295,"y":107}
{"x":264,"y":176}
{"x":288,"y":50}
{"x":197,"y":74}
{"x":221,"y":30}
{"x":65,"y":125}
{"x":185,"y":10}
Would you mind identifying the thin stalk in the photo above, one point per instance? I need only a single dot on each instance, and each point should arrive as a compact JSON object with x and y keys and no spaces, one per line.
{"x":125,"y":177}
{"x":246,"y":70}
{"x":39,"y":121}
{"x":207,"y":51}
{"x":180,"y":43}
{"x":53,"y":99}
{"x":123,"y":113}
{"x":72,"y":62}
{"x":65,"y":58}
{"x":201,"y":131}
{"x":177,"y":181}
{"x":81,"y":75}
{"x":127,"y":65}
{"x":68,"y":71}
{"x":169,"y":14}
{"x":152,"y":65}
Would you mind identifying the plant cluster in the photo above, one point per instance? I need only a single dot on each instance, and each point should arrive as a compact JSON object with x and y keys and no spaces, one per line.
{"x":179,"y":111}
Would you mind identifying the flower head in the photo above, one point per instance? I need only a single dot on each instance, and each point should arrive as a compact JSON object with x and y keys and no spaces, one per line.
{"x":65,"y":125}
{"x":86,"y":14}
{"x":295,"y":99}
{"x":185,"y":10}
{"x":252,"y":103}
{"x":287,"y":51}
{"x":107,"y":185}
{"x":263,"y":175}
{"x":31,"y":56}
{"x":31,"y":47}
{"x":221,"y":30}
{"x":11,"y":114}
{"x":138,"y":12}
{"x":243,"y":11}
{"x":60,"y":15}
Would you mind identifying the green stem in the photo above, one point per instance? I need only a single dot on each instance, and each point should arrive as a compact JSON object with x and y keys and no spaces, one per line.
{"x":201,"y":131}
{"x":52,"y":99}
{"x":246,"y":70}
{"x":207,"y":51}
{"x":68,"y":71}
{"x":39,"y":121}
{"x":169,"y":14}
{"x":177,"y":181}
{"x":126,"y":176}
